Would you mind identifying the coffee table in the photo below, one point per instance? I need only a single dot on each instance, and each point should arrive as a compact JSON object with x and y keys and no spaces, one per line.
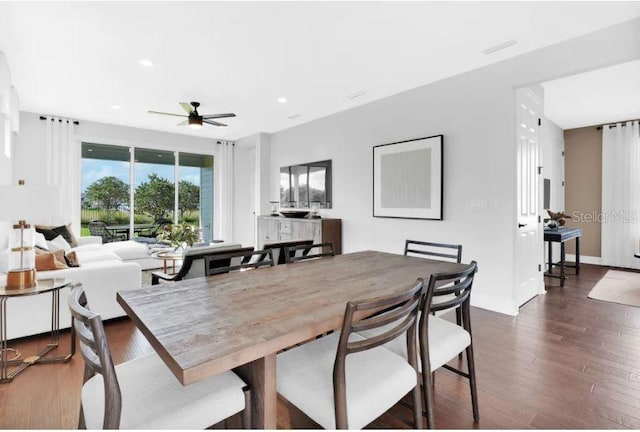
{"x":168,"y":257}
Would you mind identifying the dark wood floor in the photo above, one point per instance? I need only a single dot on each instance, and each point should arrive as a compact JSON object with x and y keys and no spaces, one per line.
{"x":565,"y":362}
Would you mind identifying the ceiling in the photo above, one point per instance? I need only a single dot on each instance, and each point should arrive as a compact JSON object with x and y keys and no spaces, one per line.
{"x":78,"y":59}
{"x":602,"y":96}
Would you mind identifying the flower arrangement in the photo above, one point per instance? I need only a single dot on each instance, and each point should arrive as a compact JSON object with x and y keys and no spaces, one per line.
{"x":180,"y":235}
{"x":558,"y":219}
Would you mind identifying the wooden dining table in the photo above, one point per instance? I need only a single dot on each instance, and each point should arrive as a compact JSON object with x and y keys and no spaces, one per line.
{"x":240,"y":321}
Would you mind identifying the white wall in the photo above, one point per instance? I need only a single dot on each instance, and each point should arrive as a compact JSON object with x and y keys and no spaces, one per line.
{"x":552,"y":145}
{"x":474,"y":111}
{"x":553,"y":162}
{"x":5,"y":179}
{"x":244,"y":218}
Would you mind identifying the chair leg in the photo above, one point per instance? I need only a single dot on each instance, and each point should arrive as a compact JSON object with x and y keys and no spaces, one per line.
{"x":472,"y":382}
{"x":427,"y":389}
{"x":417,"y":407}
{"x":246,"y":414}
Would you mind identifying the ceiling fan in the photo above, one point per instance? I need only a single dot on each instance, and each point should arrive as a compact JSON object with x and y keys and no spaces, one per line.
{"x":194,"y":119}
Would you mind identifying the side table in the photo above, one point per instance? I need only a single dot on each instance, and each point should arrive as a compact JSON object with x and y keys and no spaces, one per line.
{"x":168,"y":256}
{"x":44,"y":286}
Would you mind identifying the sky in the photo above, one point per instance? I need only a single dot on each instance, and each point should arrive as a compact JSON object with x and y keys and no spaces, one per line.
{"x":95,"y":169}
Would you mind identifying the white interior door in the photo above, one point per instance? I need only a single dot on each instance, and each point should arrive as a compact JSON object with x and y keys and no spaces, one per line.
{"x":529,"y":240}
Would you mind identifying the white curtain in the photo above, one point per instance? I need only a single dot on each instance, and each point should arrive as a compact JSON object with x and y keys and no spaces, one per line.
{"x":223,"y":166}
{"x":62,"y":152}
{"x":620,"y":194}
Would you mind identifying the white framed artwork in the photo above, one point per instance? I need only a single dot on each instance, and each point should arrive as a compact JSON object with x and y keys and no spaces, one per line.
{"x":407,"y":179}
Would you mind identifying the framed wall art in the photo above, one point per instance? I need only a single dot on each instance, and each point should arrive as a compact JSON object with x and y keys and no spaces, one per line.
{"x":407,"y":179}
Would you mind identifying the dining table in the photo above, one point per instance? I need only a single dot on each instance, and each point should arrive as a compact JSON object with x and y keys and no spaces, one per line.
{"x":240,"y":321}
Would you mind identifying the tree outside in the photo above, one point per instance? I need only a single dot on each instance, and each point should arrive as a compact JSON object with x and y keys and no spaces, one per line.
{"x":155,"y":197}
{"x":110,"y":193}
{"x":188,"y":196}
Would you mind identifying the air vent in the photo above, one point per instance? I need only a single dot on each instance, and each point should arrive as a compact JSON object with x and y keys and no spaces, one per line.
{"x":499,"y":47}
{"x":356,"y":95}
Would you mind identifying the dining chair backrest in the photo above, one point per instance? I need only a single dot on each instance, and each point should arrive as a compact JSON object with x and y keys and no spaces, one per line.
{"x":447,"y":283}
{"x":237,"y":260}
{"x":396,"y":313}
{"x":278,"y":251}
{"x":194,"y":264}
{"x":95,"y":351}
{"x":306,"y":252}
{"x":451,"y":252}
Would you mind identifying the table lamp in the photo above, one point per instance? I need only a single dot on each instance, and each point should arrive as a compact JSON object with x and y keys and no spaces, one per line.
{"x":20,"y":203}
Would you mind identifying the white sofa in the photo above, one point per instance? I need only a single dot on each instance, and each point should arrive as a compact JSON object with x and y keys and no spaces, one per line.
{"x":102,"y":273}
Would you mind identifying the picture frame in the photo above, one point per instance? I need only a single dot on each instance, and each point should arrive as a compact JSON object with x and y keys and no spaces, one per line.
{"x":408,"y":179}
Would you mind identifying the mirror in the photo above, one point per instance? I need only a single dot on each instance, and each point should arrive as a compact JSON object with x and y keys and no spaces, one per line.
{"x":300,"y":185}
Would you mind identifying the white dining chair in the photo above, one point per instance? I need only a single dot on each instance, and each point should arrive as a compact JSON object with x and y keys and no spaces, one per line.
{"x":439,"y":340}
{"x":143,"y":393}
{"x":346,"y":381}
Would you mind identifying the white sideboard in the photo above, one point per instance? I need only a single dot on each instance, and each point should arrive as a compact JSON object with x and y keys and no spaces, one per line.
{"x":272,"y":229}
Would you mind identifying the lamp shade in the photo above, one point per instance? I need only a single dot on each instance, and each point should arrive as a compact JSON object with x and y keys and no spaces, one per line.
{"x":30,"y":203}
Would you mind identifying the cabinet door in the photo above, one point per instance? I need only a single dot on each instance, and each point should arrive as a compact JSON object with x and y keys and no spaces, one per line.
{"x":306,"y":231}
{"x":267,"y":231}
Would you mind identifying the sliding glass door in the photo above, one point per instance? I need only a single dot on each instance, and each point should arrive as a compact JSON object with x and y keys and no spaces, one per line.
{"x":157,"y":185}
{"x":105,"y":185}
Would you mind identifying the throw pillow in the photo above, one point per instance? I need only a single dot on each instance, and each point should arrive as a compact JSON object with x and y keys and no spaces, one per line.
{"x":50,"y":260}
{"x":59,"y":243}
{"x":72,"y":259}
{"x":51,"y":232}
{"x":41,"y":241}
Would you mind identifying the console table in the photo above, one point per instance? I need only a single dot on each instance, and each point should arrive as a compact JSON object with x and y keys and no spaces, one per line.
{"x":561,"y":235}
{"x":44,"y":285}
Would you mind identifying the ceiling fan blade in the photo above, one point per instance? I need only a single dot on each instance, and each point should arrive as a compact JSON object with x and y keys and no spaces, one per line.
{"x":215,"y":123}
{"x":184,"y":123}
{"x":187,"y":107}
{"x":214,"y":116}
{"x":164,"y":113}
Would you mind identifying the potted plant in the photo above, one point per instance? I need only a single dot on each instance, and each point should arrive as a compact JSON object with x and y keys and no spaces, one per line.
{"x":179,"y":236}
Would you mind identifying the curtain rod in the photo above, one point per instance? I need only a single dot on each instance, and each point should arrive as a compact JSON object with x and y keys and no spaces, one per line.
{"x":611,"y":126}
{"x":75,"y":122}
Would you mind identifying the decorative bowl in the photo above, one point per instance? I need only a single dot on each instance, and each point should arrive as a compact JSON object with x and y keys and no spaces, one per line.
{"x":294,"y":213}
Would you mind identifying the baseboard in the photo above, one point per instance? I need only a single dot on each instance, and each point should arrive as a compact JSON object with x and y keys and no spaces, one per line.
{"x":584,"y":259}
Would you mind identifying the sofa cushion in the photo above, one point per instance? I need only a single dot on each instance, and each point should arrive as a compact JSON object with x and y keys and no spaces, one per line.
{"x":89,"y":256}
{"x":127,"y":250}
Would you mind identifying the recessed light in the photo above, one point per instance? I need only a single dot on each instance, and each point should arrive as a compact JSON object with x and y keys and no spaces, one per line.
{"x":115,"y":107}
{"x":282,"y":99}
{"x":499,"y":47}
{"x":145,"y":63}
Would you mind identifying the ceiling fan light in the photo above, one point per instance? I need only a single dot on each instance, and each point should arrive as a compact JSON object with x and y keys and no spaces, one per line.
{"x":195,"y":123}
